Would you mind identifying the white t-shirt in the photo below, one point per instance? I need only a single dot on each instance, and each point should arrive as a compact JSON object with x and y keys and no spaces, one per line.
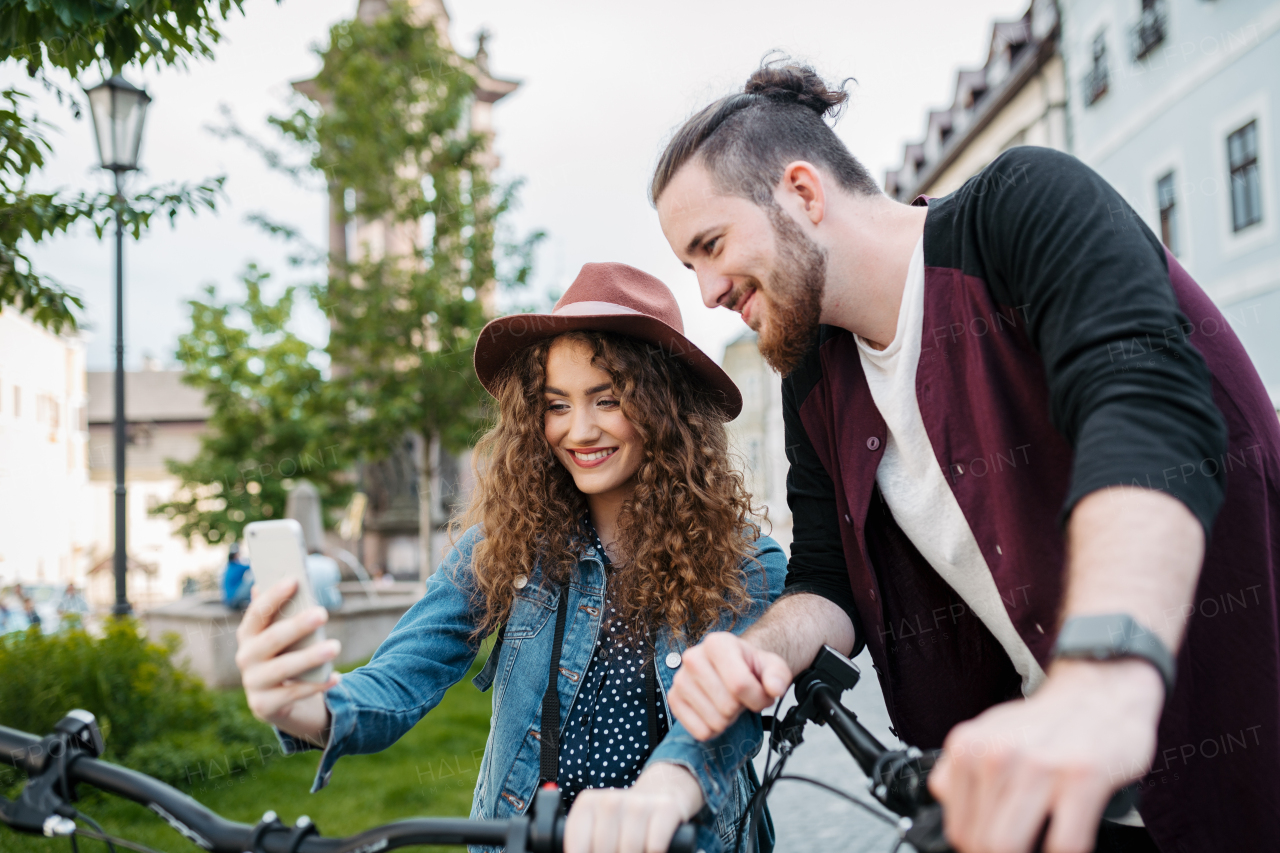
{"x":915,"y":488}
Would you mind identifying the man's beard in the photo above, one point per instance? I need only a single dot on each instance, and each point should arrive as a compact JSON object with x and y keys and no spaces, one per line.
{"x":792,"y":296}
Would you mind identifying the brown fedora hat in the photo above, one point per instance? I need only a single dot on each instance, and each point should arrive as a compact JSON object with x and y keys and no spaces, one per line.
{"x":606,"y":298}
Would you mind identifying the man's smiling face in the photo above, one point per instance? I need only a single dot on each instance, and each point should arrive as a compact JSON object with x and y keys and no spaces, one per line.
{"x":750,"y":259}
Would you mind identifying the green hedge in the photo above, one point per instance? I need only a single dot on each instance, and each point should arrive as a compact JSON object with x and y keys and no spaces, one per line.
{"x":155,"y":717}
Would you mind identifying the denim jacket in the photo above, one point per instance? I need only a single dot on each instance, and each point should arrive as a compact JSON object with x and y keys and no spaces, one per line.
{"x":432,"y":647}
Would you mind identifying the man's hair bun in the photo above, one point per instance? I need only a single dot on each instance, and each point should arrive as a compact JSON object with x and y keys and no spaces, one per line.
{"x":796,"y":84}
{"x":747,"y":139}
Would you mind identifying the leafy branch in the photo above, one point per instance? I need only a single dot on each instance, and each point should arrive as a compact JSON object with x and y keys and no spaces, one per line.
{"x":75,"y":36}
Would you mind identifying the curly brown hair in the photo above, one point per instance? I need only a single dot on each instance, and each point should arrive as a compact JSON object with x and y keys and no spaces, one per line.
{"x":685,"y":530}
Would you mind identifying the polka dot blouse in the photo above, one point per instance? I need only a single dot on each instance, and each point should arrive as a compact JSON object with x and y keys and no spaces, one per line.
{"x":606,"y":738}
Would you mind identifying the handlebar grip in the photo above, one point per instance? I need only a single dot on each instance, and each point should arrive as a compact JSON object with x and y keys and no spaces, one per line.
{"x":685,"y":839}
{"x":927,"y":836}
{"x":20,"y":750}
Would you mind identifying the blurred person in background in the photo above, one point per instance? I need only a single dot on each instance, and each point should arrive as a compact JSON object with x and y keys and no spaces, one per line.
{"x":237,"y":581}
{"x":72,"y":602}
{"x":12,"y":610}
{"x":325,"y":574}
{"x":29,"y":610}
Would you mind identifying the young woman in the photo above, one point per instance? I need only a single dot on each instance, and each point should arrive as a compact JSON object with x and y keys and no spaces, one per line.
{"x":606,"y":513}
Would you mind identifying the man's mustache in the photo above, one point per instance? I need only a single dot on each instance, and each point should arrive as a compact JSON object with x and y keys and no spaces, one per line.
{"x":739,"y":295}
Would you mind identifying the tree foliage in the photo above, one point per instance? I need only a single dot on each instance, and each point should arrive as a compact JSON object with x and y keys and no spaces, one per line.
{"x":75,"y":36}
{"x":388,"y":134}
{"x":393,"y":136}
{"x":271,"y":421}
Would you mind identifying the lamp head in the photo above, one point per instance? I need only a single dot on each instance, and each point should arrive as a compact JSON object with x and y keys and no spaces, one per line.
{"x":118,"y":109}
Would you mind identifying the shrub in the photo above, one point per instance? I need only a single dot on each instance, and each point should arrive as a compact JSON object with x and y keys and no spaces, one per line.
{"x":155,"y":717}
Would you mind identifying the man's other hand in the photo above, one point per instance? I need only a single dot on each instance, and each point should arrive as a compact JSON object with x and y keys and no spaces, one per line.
{"x":720,"y":677}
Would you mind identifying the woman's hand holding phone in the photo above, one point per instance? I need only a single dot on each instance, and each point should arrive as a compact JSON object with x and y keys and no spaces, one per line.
{"x":270,"y":673}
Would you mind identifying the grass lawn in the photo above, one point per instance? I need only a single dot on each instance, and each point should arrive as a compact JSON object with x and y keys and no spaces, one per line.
{"x":432,"y":770}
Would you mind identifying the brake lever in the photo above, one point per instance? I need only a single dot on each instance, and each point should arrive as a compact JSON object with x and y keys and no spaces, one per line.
{"x":39,"y":810}
{"x":925,"y":833}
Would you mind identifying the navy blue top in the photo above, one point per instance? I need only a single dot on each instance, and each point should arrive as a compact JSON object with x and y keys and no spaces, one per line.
{"x":606,"y":738}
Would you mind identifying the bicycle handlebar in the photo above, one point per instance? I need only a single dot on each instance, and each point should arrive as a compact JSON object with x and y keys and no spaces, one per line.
{"x":539,"y":831}
{"x":897,"y":778}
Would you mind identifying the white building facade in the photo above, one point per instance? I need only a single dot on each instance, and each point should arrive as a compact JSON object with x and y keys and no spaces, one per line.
{"x":1174,"y":102}
{"x":44,"y":530}
{"x":1015,"y":98}
{"x":165,"y":420}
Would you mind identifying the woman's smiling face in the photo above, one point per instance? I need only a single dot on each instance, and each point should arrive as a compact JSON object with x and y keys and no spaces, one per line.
{"x":584,"y":423}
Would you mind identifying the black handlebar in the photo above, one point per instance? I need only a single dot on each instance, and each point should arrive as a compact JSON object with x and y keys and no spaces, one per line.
{"x":897,"y":778}
{"x":45,"y":760}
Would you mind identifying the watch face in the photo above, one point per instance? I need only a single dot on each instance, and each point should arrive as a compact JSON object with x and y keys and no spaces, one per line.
{"x":1101,"y":637}
{"x":1115,"y":635}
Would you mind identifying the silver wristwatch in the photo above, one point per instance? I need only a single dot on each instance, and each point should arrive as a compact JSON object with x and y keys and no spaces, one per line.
{"x":1112,"y":636}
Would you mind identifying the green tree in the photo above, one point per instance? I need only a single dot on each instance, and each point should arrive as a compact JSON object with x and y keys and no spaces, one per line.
{"x":387,"y":133}
{"x":271,"y":421}
{"x":74,"y":36}
{"x":388,"y":129}
{"x":393,"y":135}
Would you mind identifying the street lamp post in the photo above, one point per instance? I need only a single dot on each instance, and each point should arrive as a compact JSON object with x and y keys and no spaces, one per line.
{"x":118,"y":108}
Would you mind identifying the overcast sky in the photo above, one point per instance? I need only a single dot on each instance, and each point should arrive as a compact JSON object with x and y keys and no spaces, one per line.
{"x":604,"y":85}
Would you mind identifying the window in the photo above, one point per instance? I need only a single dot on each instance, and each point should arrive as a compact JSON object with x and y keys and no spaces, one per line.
{"x":1246,"y":187}
{"x":1095,"y":82}
{"x":17,"y":401}
{"x":1167,"y":197}
{"x":1149,"y":32}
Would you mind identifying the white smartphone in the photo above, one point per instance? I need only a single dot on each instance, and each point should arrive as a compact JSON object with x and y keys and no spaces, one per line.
{"x":277,"y":552}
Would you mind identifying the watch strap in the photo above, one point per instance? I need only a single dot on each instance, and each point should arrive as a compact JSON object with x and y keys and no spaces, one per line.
{"x":1113,"y":636}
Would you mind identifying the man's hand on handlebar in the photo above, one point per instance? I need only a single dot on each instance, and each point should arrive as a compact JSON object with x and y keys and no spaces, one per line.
{"x":1088,"y":730}
{"x":639,"y":819}
{"x":269,"y":673}
{"x":720,"y":677}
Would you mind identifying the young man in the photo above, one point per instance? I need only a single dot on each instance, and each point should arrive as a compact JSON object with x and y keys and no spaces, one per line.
{"x":1021,"y":439}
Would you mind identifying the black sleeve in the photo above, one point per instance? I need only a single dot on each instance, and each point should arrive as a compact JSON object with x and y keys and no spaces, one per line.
{"x":1127,"y":389}
{"x":817,"y":563}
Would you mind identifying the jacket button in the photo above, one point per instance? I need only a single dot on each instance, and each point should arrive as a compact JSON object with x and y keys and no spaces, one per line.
{"x":520,"y":582}
{"x":873,"y":443}
{"x":673,"y":660}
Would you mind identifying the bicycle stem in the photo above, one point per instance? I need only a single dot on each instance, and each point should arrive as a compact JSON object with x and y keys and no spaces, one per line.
{"x":860,"y":743}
